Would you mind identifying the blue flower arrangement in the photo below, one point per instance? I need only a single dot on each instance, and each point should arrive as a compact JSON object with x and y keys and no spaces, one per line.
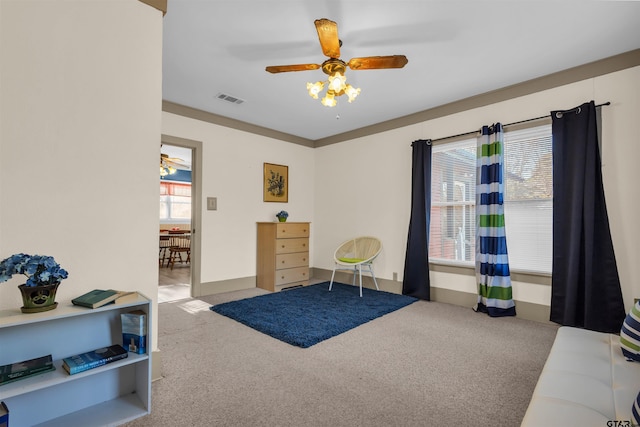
{"x":41,"y":270}
{"x":282,"y":214}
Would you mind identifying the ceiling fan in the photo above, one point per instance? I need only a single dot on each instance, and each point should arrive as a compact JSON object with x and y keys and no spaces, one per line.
{"x":170,"y":165}
{"x":335,"y":67}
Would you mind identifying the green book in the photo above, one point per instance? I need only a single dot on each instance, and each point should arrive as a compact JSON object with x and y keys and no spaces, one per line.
{"x":25,"y":369}
{"x":97,"y":298}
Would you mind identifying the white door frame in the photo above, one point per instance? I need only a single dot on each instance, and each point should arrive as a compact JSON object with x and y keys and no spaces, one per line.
{"x":196,"y":204}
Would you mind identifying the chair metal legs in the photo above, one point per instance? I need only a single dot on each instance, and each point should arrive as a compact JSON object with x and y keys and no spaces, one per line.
{"x":356,"y":269}
{"x":332,"y":276}
{"x":374,"y":276}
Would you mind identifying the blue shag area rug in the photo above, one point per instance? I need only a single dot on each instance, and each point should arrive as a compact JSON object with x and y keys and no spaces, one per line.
{"x":308,"y":315}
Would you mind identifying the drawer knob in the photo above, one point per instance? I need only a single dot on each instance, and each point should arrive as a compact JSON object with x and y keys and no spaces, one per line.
{"x":304,"y":274}
{"x":283,"y":246}
{"x":304,"y":244}
{"x":282,"y":277}
{"x":283,"y":261}
{"x":304,"y":259}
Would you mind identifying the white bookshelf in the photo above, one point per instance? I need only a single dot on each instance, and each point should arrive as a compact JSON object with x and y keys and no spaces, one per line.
{"x":108,"y":395}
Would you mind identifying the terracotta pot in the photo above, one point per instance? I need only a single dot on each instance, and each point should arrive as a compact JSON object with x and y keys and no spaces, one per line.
{"x":38,"y":298}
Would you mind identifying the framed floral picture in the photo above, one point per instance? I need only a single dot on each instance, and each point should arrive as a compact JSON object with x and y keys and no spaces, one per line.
{"x":276,"y":183}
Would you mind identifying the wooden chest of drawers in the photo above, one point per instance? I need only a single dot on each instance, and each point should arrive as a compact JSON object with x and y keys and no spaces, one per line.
{"x":283,"y":255}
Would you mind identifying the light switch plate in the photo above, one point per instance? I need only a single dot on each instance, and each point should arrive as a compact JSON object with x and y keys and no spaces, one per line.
{"x":212,"y":203}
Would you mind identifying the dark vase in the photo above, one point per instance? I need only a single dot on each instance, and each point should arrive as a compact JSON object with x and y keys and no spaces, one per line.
{"x":38,"y":298}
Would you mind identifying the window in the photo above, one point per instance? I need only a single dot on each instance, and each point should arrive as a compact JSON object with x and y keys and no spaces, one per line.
{"x":528,"y":200}
{"x":175,"y":202}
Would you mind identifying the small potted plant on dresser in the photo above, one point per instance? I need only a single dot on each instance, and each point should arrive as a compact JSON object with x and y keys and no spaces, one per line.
{"x":43,"y":274}
{"x":282,"y":216}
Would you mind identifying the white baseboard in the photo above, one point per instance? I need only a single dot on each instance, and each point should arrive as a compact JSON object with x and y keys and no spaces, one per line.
{"x":210,"y":288}
{"x":524,"y":310}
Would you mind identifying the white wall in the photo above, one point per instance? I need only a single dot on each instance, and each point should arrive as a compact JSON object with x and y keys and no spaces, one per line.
{"x":232,"y":171}
{"x":80,"y":85}
{"x":363,"y":186}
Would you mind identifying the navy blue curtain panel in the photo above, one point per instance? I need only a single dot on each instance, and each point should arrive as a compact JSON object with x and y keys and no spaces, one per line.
{"x":585,"y":288}
{"x":416,"y":265}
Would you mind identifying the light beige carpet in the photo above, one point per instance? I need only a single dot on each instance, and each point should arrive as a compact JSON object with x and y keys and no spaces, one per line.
{"x":427,"y":364}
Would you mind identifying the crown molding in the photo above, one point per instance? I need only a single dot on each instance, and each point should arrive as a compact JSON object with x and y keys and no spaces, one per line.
{"x":550,"y":81}
{"x":161,"y":5}
{"x":582,"y":72}
{"x":216,"y":119}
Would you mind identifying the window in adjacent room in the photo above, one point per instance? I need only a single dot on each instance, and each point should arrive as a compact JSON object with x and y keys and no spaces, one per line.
{"x":175,"y":202}
{"x":528,"y":200}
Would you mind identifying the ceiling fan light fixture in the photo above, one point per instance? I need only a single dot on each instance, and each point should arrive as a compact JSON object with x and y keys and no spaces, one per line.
{"x":336,"y":86}
{"x":337,"y":82}
{"x":315,"y":89}
{"x":351,"y":92}
{"x":167,"y":170}
{"x":329,"y":99}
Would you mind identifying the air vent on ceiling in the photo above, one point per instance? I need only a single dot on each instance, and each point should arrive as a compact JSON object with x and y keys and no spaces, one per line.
{"x":229,"y":98}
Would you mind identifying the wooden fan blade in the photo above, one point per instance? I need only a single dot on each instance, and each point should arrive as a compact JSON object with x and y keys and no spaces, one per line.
{"x":166,"y":158}
{"x":287,"y":68}
{"x":328,"y":35}
{"x":375,"y":62}
{"x":175,"y":163}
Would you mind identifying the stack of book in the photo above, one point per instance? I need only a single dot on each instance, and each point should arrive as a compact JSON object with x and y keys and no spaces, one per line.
{"x":92,"y":359}
{"x":25,"y":369}
{"x":99,"y":297}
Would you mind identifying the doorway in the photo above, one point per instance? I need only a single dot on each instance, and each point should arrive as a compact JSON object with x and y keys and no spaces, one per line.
{"x":176,"y":223}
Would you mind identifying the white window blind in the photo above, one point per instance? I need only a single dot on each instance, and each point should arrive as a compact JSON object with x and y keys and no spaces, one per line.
{"x":528,"y":200}
{"x":175,"y":202}
{"x":452,"y":229}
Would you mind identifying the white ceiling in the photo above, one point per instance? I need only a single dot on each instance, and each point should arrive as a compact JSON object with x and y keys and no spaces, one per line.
{"x":456,"y":49}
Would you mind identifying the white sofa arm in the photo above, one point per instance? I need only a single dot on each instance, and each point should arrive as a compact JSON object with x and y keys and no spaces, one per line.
{"x":586,"y":381}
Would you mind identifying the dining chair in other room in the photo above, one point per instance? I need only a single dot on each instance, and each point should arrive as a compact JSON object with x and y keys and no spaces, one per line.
{"x":180,"y":244}
{"x":356,"y":254}
{"x":165,"y":244}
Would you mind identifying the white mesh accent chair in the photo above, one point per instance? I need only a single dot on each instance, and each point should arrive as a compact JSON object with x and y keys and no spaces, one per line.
{"x":356,"y":254}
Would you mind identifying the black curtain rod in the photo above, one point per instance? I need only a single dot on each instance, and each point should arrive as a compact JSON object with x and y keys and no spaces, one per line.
{"x":514,"y":123}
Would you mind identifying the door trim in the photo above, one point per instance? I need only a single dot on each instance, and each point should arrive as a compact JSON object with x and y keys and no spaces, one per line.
{"x":196,"y":203}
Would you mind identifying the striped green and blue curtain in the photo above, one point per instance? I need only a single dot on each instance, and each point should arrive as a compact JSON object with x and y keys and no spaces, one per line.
{"x":492,"y":261}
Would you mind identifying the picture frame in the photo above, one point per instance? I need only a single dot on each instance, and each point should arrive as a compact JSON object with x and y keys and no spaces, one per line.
{"x":275,"y":183}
